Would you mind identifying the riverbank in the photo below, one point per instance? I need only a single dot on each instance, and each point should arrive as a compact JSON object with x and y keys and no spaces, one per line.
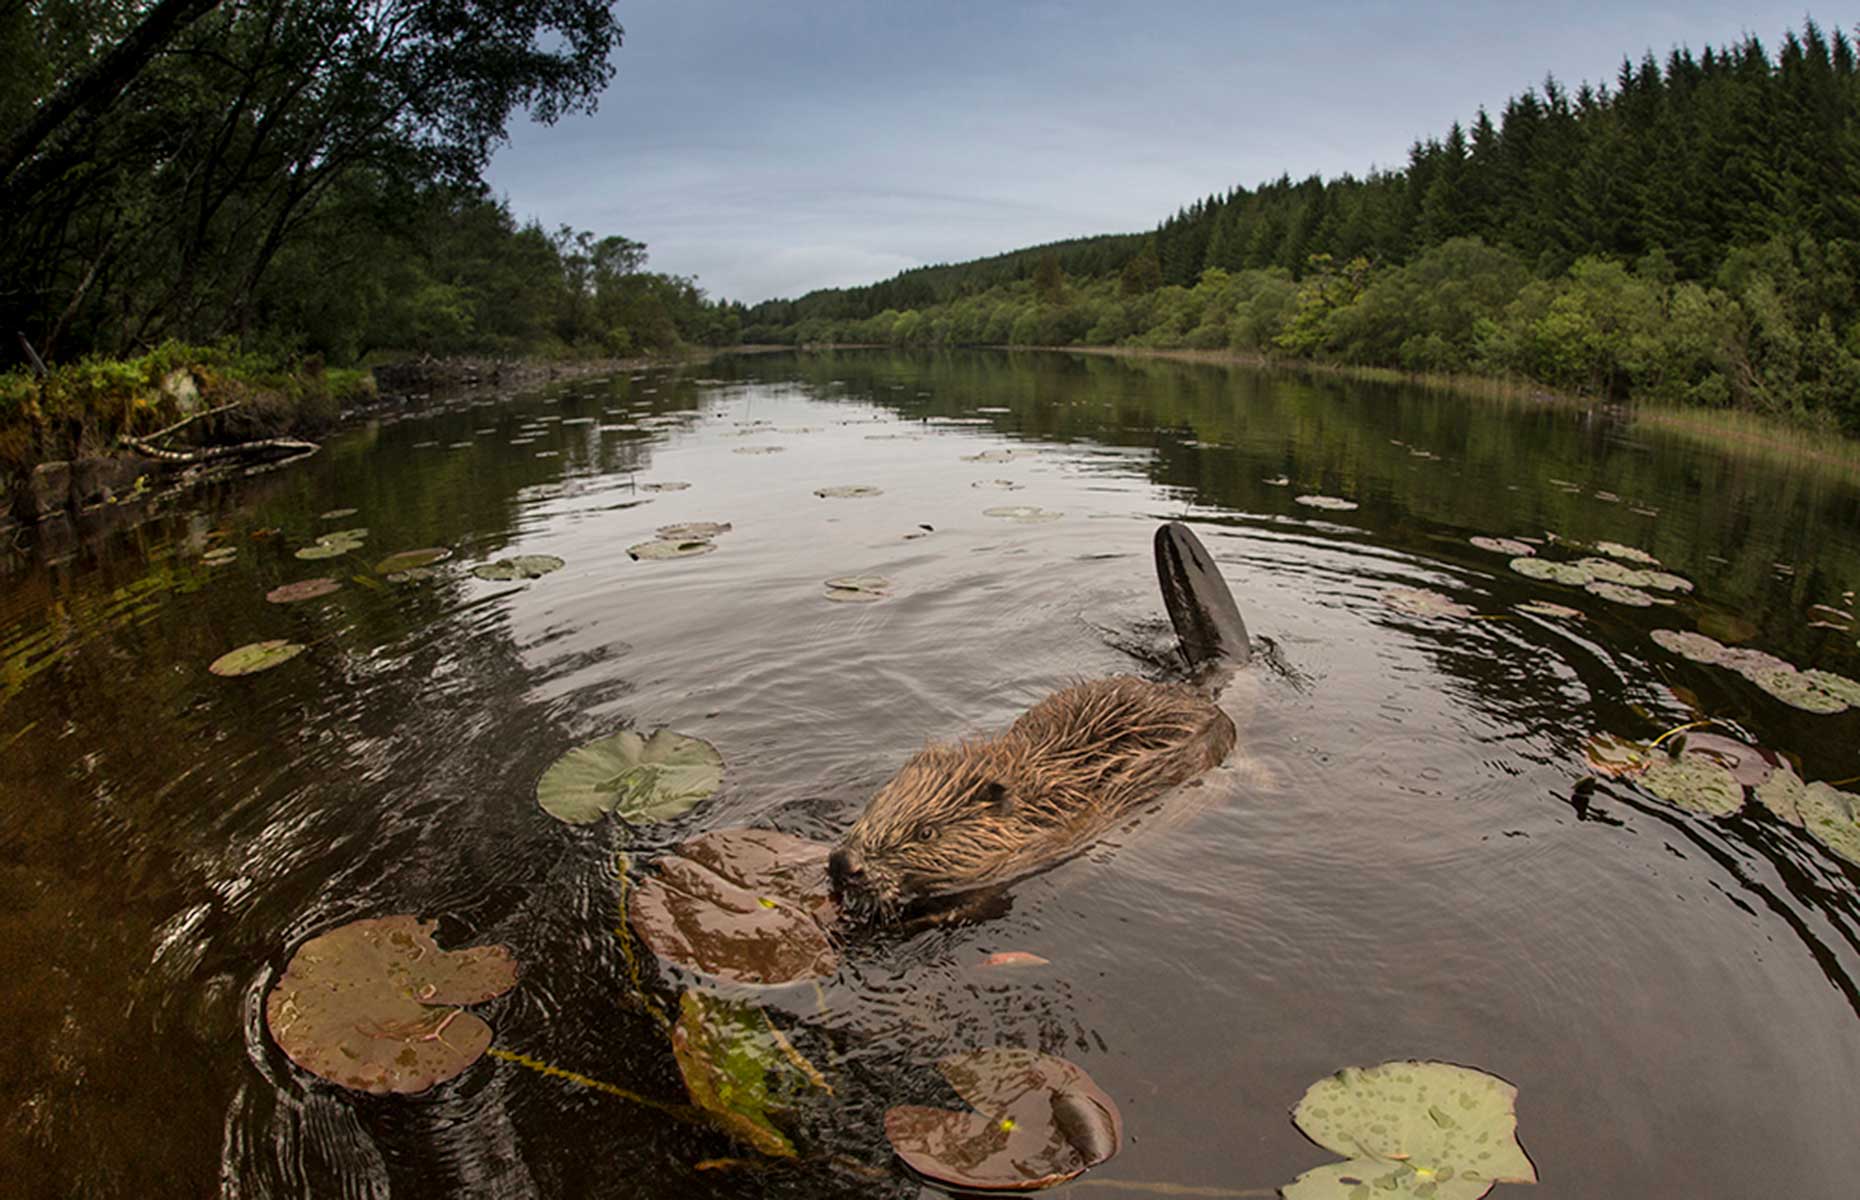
{"x":97,"y":433}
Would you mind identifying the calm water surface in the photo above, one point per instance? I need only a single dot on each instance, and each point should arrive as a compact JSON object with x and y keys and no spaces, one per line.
{"x":1393,"y":867}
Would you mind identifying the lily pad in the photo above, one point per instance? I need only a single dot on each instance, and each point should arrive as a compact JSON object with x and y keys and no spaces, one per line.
{"x":670,"y":485}
{"x":1543,"y":608}
{"x":667,"y":548}
{"x":1835,"y":685}
{"x":255,"y":657}
{"x":1619,"y":593}
{"x":858,"y":589}
{"x":1629,"y":553}
{"x":639,"y":779}
{"x":1833,"y":817}
{"x":1507,"y":546}
{"x":336,"y":514}
{"x":1695,"y":646}
{"x":1609,"y":571}
{"x":692,"y":531}
{"x":1038,"y":1121}
{"x":407,"y":560}
{"x":1747,"y":764}
{"x":1800,"y":689}
{"x":221,"y":556}
{"x":1411,"y":1129}
{"x":743,"y":905}
{"x":1555,"y":572}
{"x":1424,"y":602}
{"x":1027,"y":514}
{"x":996,"y":456}
{"x":334,"y":545}
{"x":1782,"y":794}
{"x":303,"y":589}
{"x":760,"y":449}
{"x":740,"y":1069}
{"x":1006,"y":485}
{"x":1332,"y":503}
{"x":523,"y":566}
{"x":1614,"y":756}
{"x":374,"y":1005}
{"x":1277,"y":481}
{"x":848,"y":491}
{"x":1695,"y":784}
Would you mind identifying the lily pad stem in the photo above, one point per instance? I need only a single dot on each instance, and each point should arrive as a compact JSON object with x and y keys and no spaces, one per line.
{"x":679,"y":1112}
{"x":1682,"y":729}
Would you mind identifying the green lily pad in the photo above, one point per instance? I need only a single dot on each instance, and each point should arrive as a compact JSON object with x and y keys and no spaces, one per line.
{"x":1028,"y":514}
{"x":1782,"y":794}
{"x":1609,"y":571}
{"x":523,"y":566}
{"x":692,"y":531}
{"x":1555,"y":572}
{"x":221,"y":556}
{"x":1424,"y":602}
{"x":255,"y":657}
{"x":746,"y":906}
{"x":741,"y":1070}
{"x":858,"y":589}
{"x":1695,"y":784}
{"x":1619,"y":593}
{"x":334,"y":545}
{"x":639,"y":779}
{"x":1838,"y":686}
{"x":407,"y":560}
{"x":375,"y":1005}
{"x":1411,"y":1129}
{"x":1330,"y":503}
{"x":303,"y":589}
{"x":1038,"y":1121}
{"x":667,"y":486}
{"x":1664,"y":581}
{"x":1277,"y":481}
{"x":1617,"y":550}
{"x":1695,"y":646}
{"x":1833,"y":818}
{"x":1799,"y":689}
{"x":336,"y":514}
{"x":1543,"y":608}
{"x":666,"y":548}
{"x":848,"y":491}
{"x":1510,"y":547}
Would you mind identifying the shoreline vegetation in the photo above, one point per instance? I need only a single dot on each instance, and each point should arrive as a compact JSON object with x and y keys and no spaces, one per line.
{"x":1681,"y":236}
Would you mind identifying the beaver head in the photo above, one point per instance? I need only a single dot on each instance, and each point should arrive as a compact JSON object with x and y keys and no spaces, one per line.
{"x":949,"y":820}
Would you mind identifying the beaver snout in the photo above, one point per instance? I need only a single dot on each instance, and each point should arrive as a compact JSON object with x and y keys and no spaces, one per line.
{"x":843,"y":866}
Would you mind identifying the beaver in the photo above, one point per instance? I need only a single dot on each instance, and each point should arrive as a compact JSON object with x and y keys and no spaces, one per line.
{"x":970,"y":815}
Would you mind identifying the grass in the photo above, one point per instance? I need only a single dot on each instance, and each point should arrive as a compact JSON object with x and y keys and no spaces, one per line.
{"x":1794,"y":443}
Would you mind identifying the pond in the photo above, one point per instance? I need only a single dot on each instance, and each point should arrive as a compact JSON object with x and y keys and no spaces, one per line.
{"x":1407,"y":857}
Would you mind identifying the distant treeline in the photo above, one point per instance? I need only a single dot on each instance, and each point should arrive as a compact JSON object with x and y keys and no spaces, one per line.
{"x":304,"y":177}
{"x":1691,"y":232}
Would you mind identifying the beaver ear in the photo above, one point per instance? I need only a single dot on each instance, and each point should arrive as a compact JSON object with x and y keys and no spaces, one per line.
{"x":999,"y":800}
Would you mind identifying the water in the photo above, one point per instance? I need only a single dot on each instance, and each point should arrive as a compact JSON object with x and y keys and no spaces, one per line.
{"x":1393,"y":867}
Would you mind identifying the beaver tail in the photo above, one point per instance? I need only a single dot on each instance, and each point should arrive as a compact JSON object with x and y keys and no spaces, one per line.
{"x":1206,"y":619}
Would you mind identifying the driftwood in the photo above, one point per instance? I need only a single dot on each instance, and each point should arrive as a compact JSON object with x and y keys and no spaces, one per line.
{"x":265,"y":450}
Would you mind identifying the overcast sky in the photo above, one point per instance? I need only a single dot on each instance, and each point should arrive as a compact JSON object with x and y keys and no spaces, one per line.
{"x":772,"y":148}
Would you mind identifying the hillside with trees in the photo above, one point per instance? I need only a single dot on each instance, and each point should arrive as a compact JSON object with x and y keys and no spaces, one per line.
{"x":1689,"y":231}
{"x":305,"y":177}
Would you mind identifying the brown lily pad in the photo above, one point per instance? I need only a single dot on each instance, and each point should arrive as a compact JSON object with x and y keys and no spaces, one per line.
{"x":303,"y":589}
{"x":743,"y":905}
{"x":1616,"y":757}
{"x":848,"y":491}
{"x":1510,"y":547}
{"x":375,"y":1005}
{"x":1747,"y":764}
{"x":1038,"y":1121}
{"x":692,"y":531}
{"x":668,"y":548}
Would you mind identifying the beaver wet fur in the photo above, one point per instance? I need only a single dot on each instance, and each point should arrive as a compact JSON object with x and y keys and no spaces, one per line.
{"x":977,"y":813}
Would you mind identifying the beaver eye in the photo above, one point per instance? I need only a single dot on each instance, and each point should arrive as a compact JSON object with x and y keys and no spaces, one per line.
{"x":925,"y":832}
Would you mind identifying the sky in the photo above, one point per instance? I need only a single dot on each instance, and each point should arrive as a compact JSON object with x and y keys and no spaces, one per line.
{"x":770,"y":149}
